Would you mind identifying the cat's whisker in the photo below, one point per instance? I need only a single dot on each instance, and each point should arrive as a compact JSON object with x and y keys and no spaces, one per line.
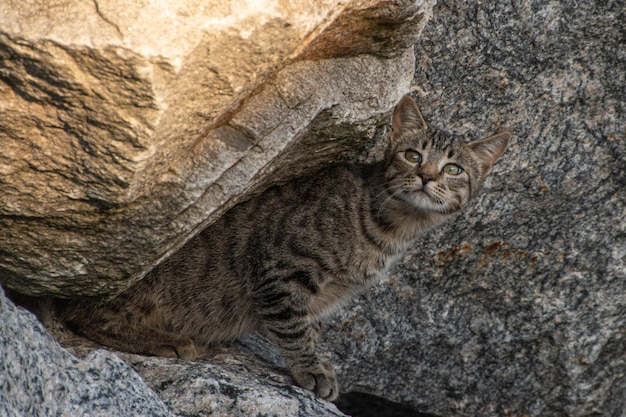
{"x":389,"y":198}
{"x":390,"y":190}
{"x":388,"y":185}
{"x":393,"y":189}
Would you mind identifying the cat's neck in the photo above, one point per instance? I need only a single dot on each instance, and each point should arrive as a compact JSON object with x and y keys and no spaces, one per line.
{"x":397,"y":221}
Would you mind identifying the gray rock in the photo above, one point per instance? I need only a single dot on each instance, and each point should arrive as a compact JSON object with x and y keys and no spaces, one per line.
{"x":40,"y":378}
{"x":518,"y":307}
{"x":233,"y":381}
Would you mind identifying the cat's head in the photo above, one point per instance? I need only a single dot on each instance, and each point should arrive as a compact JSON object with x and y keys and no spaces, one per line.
{"x":431,"y":170}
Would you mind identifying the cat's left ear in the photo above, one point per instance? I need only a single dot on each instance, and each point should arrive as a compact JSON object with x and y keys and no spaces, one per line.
{"x":406,"y":116}
{"x":488,"y":150}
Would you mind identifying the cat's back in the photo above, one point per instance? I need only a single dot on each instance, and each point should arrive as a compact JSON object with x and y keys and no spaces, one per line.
{"x":326,"y":201}
{"x":317,"y":219}
{"x":334,"y":184}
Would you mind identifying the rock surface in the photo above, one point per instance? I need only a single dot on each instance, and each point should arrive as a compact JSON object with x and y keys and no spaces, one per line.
{"x":233,"y":382}
{"x":517,"y":307}
{"x":128,"y":126}
{"x":40,"y":378}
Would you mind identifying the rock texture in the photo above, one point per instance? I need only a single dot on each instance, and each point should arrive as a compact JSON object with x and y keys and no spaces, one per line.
{"x":126,"y":127}
{"x":233,"y":382}
{"x":517,"y":308}
{"x":39,"y":378}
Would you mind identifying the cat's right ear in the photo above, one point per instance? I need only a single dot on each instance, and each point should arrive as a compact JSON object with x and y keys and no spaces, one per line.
{"x":406,"y":116}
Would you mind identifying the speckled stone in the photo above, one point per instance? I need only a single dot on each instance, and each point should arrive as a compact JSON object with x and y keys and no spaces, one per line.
{"x":40,"y":378}
{"x":233,"y":381}
{"x":518,"y":307}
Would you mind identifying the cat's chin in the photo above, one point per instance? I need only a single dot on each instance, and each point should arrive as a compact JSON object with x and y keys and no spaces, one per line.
{"x":424,"y":202}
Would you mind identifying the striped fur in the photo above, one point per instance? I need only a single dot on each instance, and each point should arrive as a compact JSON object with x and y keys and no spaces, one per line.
{"x":287,"y":258}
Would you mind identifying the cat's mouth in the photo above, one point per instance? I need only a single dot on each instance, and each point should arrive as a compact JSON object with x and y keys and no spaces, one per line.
{"x":422,"y":191}
{"x":423,"y":199}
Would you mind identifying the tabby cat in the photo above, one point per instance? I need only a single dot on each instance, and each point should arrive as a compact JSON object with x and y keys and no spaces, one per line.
{"x":287,"y":258}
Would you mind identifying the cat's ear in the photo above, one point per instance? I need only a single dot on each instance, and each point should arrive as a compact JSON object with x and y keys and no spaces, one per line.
{"x":488,"y":150}
{"x":406,"y":116}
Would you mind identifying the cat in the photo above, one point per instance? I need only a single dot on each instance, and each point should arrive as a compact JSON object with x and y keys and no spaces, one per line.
{"x":287,"y":258}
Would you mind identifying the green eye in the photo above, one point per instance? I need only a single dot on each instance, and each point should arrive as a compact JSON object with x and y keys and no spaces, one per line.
{"x":452,"y":169}
{"x":413,"y":157}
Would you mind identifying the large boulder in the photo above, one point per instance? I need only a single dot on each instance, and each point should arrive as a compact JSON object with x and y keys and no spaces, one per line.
{"x":126,"y":127}
{"x":518,"y":307}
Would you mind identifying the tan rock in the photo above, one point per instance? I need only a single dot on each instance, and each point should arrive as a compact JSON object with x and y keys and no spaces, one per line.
{"x":125,"y":126}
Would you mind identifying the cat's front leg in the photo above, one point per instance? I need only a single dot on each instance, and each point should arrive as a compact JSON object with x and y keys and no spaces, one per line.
{"x":296,"y":335}
{"x":298,"y":344}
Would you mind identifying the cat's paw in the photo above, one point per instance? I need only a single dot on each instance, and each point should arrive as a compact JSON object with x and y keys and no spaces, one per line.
{"x":177,"y":347}
{"x":319,"y":378}
{"x":186,"y":350}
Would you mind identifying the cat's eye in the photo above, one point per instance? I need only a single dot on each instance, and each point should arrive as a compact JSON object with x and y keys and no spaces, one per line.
{"x":413,"y":156}
{"x":452,"y":169}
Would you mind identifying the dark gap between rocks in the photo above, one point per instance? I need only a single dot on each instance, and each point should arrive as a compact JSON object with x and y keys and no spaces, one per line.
{"x":358,"y":404}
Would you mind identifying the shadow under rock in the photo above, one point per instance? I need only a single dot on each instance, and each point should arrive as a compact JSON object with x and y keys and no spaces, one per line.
{"x":358,"y":404}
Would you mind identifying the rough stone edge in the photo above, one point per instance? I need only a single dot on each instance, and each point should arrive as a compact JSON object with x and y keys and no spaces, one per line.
{"x":39,"y":377}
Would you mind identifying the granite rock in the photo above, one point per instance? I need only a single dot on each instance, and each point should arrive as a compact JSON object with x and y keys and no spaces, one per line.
{"x":40,"y":378}
{"x":245,"y":379}
{"x":126,"y":127}
{"x":517,"y":307}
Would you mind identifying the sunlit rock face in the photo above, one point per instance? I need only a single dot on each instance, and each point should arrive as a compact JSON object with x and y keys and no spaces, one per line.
{"x":126,"y":126}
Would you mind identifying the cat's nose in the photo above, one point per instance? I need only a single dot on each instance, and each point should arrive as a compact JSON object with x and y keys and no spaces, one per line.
{"x":426,"y":178}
